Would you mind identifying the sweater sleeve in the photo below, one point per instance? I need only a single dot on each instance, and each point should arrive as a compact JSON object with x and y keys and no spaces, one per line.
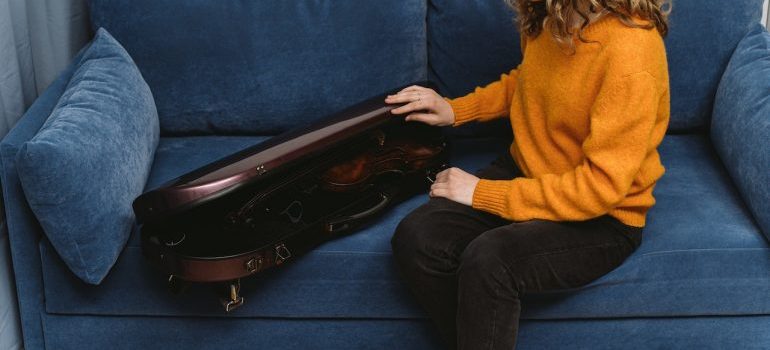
{"x":489,"y":102}
{"x":486,"y":103}
{"x":621,"y":122}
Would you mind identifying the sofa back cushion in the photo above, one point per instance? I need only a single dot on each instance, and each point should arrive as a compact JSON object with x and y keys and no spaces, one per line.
{"x":91,"y":158}
{"x":740,"y":128}
{"x":703,"y":36}
{"x":472,"y":42}
{"x":262,"y":67}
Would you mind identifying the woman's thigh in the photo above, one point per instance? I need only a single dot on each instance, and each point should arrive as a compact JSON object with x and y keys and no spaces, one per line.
{"x":541,"y":255}
{"x":443,"y":228}
{"x":437,"y":232}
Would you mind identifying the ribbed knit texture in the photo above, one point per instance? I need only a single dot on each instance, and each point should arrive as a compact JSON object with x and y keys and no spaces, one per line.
{"x":586,"y":126}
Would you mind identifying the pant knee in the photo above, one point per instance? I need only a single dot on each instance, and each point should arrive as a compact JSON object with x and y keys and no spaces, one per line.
{"x":404,"y":238}
{"x":415,"y":243}
{"x":481,"y":256}
{"x":483,"y":263}
{"x":413,"y":229}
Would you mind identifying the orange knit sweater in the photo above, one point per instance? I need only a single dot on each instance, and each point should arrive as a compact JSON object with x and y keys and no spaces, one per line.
{"x":586,"y":126}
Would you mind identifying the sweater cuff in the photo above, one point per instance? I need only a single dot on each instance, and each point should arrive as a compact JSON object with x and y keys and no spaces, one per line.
{"x":465,"y":108}
{"x":492,"y":196}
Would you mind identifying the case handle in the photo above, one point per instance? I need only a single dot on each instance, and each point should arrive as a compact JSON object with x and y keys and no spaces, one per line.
{"x":341,"y":224}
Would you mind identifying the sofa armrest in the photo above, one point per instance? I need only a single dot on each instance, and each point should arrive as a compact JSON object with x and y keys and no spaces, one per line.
{"x":740,"y":128}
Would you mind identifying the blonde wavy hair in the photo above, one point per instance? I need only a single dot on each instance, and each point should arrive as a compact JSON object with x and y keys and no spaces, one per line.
{"x":567,"y":19}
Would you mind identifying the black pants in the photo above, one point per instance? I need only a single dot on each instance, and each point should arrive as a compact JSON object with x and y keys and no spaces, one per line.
{"x":469,"y":268}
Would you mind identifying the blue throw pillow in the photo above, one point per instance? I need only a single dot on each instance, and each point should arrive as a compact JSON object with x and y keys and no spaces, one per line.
{"x":91,"y":158}
{"x":740,"y":126}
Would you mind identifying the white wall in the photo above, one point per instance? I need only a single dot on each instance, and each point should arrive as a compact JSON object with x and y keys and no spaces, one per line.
{"x":765,"y":20}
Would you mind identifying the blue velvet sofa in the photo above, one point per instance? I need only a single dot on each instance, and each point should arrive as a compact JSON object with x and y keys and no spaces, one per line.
{"x":228,"y":74}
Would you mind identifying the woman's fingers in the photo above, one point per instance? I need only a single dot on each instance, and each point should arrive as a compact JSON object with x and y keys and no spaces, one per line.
{"x":440,"y":192}
{"x":403,"y":97}
{"x":415,"y":88}
{"x":431,"y":107}
{"x":410,"y":107}
{"x":439,"y":186}
{"x":427,"y":118}
{"x":442,"y":176}
{"x":412,"y":93}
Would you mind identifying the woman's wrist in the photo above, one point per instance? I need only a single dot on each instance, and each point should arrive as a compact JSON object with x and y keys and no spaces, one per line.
{"x":464,"y":109}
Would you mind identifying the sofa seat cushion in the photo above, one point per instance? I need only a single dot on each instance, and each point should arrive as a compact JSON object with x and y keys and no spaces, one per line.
{"x":702,"y":255}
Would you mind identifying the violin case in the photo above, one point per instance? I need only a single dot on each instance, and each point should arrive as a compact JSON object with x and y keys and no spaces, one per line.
{"x":270,"y":203}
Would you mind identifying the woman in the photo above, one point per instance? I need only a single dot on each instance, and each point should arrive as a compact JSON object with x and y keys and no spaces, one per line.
{"x":589,"y":104}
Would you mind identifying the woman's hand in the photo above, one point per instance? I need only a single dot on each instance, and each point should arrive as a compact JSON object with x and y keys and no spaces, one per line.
{"x":455,"y":184}
{"x":423,"y":105}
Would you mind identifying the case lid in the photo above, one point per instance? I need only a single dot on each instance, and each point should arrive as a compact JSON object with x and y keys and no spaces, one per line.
{"x":260,"y":161}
